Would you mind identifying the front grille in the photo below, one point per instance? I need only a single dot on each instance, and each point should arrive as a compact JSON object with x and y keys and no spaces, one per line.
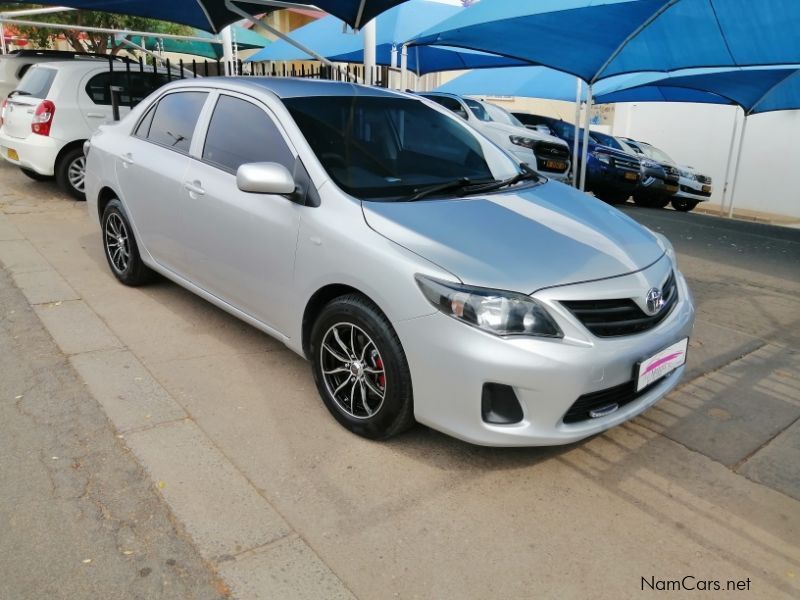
{"x":630,"y":164}
{"x":606,"y":399}
{"x":613,"y":318}
{"x":703,"y":179}
{"x":690,"y":190}
{"x":548,"y":150}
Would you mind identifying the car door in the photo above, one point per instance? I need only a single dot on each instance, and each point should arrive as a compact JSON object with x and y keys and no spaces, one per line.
{"x":240,"y":246}
{"x":151,"y":168}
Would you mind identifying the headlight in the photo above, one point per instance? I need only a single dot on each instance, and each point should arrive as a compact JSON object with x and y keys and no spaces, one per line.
{"x":603,"y":158}
{"x":667,"y":245}
{"x":495,"y":311}
{"x":686,"y":174}
{"x":649,"y":164}
{"x":522,"y":141}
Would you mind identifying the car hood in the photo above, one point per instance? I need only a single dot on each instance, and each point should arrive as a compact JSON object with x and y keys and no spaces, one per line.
{"x":521,"y":241}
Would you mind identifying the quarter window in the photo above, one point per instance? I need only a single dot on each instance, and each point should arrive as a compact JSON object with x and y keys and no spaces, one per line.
{"x":175,"y":118}
{"x":450,"y":104}
{"x":240,"y":132}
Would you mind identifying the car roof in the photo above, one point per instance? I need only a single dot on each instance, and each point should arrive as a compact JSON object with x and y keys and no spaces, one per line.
{"x":289,"y":87}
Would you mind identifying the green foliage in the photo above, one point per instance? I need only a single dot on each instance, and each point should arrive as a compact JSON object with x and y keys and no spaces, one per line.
{"x":88,"y":42}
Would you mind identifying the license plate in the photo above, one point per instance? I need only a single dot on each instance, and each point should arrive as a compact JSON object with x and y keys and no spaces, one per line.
{"x":671,"y":188}
{"x":12,"y":154}
{"x":707,"y":189}
{"x":555,"y":164}
{"x":631,"y":176}
{"x":660,"y":364}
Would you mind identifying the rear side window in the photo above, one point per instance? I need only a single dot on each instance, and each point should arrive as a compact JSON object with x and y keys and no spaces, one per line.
{"x":450,"y":104}
{"x":36,"y":82}
{"x":135,"y":86}
{"x":240,"y":132}
{"x":478,"y":110}
{"x":175,"y":118}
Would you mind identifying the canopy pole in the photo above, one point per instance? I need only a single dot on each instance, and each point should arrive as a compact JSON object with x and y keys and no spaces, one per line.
{"x":738,"y":164}
{"x":728,"y":165}
{"x":227,"y":51}
{"x":575,"y":157}
{"x":370,"y":35}
{"x":585,"y":151}
{"x":2,"y":38}
{"x":279,"y":34}
{"x":404,"y":68}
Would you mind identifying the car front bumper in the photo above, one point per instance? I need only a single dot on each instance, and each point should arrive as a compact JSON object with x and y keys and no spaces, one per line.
{"x":450,"y":362}
{"x":691,"y":189}
{"x":35,"y":152}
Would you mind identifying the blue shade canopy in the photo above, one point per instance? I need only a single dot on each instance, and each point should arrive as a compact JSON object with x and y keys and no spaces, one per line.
{"x":549,"y":84}
{"x":213,"y":15}
{"x":330,"y":38}
{"x":594,"y":39}
{"x":756,"y":90}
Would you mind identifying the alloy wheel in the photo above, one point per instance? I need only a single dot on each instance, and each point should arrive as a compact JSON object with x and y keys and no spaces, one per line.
{"x":353,"y":370}
{"x":117,"y":242}
{"x":76,"y":173}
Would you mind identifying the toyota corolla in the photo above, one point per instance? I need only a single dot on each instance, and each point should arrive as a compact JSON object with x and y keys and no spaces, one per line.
{"x":425,"y":274}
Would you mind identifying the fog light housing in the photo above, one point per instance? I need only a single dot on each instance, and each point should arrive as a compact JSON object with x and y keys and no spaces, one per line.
{"x":499,"y":404}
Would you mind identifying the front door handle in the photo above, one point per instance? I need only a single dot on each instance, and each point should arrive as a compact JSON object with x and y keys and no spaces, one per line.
{"x":127,"y":159}
{"x":194,"y":187}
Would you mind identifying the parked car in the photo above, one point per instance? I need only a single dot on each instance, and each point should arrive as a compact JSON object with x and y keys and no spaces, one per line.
{"x":659,"y":178}
{"x":691,"y":187}
{"x":14,"y":65}
{"x":425,"y":274}
{"x":546,"y":153}
{"x":56,"y":107}
{"x":611,"y":174}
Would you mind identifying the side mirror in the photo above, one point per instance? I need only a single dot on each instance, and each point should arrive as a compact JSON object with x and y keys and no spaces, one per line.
{"x":542,"y":129}
{"x":265,"y":178}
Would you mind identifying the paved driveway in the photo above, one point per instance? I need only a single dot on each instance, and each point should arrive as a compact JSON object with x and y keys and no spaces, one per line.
{"x":285,"y":502}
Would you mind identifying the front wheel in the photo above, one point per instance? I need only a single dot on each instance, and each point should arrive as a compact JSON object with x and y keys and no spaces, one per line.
{"x":120,"y":247}
{"x":684,"y":205}
{"x":34,"y":175}
{"x":360,"y":368}
{"x":71,"y":173}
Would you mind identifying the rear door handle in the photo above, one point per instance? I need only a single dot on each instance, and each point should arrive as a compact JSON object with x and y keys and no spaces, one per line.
{"x":127,"y":159}
{"x":96,"y":115}
{"x":194,"y":187}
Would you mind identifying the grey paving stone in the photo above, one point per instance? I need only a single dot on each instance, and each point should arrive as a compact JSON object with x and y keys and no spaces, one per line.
{"x":42,"y":287}
{"x":777,"y":464}
{"x":75,"y":327}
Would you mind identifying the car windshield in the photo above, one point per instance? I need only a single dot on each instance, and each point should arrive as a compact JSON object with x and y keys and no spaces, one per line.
{"x":656,"y":154}
{"x":389,"y":148}
{"x":608,"y":140}
{"x":501,"y":115}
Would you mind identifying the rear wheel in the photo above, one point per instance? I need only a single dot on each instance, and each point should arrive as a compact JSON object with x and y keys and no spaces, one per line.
{"x":120,"y":247}
{"x":71,"y":173}
{"x":360,"y":368}
{"x":611,"y":196}
{"x":684,"y":205}
{"x":35,"y":176}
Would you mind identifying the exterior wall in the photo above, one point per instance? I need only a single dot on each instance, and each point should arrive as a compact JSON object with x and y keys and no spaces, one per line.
{"x":700,"y":135}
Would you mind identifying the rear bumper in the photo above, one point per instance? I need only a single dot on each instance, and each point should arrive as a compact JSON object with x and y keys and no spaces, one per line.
{"x":36,"y":152}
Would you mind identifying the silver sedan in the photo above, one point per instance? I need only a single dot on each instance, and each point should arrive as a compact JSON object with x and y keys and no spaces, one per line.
{"x":425,"y":274}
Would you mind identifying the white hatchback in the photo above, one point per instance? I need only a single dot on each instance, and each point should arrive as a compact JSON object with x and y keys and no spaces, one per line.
{"x":59,"y":105}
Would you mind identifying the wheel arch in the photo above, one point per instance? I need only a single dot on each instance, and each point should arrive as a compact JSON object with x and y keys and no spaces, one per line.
{"x":68,"y":148}
{"x":105,"y":196}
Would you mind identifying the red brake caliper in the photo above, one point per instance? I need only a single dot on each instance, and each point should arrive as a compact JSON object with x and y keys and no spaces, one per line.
{"x":382,"y":376}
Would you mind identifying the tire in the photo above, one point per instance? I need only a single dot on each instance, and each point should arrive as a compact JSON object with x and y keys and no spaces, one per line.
{"x":118,"y":234}
{"x":650,"y":201}
{"x":384,"y":368}
{"x":36,"y":176}
{"x":611,"y":196}
{"x":684,"y":205}
{"x":70,"y":172}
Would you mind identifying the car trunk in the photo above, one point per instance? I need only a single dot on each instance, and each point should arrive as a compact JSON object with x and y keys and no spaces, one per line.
{"x":19,"y":116}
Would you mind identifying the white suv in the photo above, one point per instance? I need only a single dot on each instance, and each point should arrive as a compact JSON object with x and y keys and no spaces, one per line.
{"x":546,"y":153}
{"x":57,"y":106}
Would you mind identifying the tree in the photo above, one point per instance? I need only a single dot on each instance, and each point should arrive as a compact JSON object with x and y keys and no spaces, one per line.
{"x":81,"y":41}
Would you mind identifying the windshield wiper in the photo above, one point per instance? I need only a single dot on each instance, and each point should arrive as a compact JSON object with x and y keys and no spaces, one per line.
{"x":525,"y":174}
{"x":455,"y":184}
{"x":19,"y":93}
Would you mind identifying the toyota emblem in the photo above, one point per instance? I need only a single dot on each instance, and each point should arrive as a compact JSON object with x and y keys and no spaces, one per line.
{"x":654,"y":300}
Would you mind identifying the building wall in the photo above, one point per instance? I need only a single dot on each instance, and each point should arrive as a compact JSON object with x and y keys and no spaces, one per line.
{"x":700,"y":135}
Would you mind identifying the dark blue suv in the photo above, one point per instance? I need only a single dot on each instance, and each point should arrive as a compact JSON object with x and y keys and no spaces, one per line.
{"x":612,"y":175}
